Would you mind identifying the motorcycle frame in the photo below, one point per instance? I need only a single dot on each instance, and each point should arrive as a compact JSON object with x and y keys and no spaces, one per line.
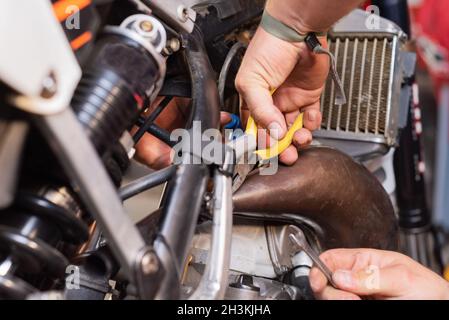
{"x":157,"y":268}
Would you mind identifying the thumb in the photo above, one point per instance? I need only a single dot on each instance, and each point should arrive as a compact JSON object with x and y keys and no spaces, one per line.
{"x":260,"y":104}
{"x":372,"y":281}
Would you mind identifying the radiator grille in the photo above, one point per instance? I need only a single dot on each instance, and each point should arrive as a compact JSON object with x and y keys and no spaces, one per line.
{"x":364,"y":65}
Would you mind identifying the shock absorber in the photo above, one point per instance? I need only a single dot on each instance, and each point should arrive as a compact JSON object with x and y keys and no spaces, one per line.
{"x":123,"y":76}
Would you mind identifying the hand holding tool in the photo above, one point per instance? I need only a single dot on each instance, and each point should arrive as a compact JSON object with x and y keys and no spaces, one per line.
{"x":299,"y":241}
{"x":250,"y":152}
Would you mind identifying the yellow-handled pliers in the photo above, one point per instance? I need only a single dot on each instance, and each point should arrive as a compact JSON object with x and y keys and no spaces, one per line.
{"x":279,"y":146}
{"x":248,"y":159}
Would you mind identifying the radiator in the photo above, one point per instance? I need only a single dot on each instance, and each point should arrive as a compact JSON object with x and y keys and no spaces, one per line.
{"x":369,"y":64}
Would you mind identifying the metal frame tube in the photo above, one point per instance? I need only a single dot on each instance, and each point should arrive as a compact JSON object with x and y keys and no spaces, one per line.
{"x":146,"y":182}
{"x":441,"y":201}
{"x":185,"y":193}
{"x":214,"y":281}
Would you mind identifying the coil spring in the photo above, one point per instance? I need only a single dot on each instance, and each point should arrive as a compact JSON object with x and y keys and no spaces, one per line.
{"x":29,"y":232}
{"x":115,"y":85}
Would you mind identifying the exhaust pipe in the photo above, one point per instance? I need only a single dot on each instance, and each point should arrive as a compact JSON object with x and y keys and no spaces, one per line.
{"x":332,"y":191}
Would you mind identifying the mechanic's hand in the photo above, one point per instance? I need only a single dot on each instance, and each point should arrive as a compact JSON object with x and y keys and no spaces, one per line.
{"x":153,"y":152}
{"x":376,"y":274}
{"x":299,"y":77}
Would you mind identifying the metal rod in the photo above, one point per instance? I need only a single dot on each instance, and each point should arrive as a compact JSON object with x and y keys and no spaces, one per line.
{"x":370,"y":86}
{"x":381,"y":79}
{"x":147,"y":182}
{"x":362,"y":82}
{"x":351,"y":83}
{"x":213,"y":284}
{"x":441,"y":200}
{"x":332,"y":96}
{"x":343,"y":78}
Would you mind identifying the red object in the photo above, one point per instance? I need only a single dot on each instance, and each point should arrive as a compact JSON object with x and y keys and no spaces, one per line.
{"x":366,"y":4}
{"x":433,"y":20}
{"x":431,"y":30}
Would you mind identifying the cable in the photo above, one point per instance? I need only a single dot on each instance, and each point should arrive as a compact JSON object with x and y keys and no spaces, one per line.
{"x":158,"y":132}
{"x":225,"y":69}
{"x":316,"y":47}
{"x":146,"y":182}
{"x":148,"y":122}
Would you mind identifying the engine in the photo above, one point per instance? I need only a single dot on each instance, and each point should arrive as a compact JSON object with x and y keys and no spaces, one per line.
{"x":70,"y":126}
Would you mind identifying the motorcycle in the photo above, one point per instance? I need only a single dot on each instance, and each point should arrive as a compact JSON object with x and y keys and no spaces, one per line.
{"x":74,"y":85}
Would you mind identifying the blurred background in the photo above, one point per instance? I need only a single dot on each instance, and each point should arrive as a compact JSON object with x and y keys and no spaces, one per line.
{"x":428,"y":140}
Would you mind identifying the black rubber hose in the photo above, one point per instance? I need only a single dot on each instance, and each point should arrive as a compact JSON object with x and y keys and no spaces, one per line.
{"x":206,"y":105}
{"x":225,"y":69}
{"x":185,"y":193}
{"x":303,"y":285}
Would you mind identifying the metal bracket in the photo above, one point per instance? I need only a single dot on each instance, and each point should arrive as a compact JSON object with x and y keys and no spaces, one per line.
{"x":175,"y":12}
{"x":44,"y":73}
{"x":149,"y":271}
{"x":214,"y":282}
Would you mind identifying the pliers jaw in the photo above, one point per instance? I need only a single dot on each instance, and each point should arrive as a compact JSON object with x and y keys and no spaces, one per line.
{"x":249,"y":157}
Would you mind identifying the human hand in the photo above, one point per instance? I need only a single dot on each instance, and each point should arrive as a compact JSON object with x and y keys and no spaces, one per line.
{"x":150,"y":150}
{"x":297,"y":74}
{"x":153,"y":152}
{"x":376,"y":274}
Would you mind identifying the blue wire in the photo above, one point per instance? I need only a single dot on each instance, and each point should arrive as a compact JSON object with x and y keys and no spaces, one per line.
{"x":235,"y":123}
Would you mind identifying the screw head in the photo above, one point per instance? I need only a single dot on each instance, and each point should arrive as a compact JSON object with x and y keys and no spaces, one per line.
{"x":146,"y":26}
{"x":49,"y":86}
{"x":183,"y":13}
{"x":150,"y":263}
{"x":174,"y":44}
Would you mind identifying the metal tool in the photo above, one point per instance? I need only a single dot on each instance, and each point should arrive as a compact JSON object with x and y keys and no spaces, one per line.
{"x":300,"y":243}
{"x":248,"y":157}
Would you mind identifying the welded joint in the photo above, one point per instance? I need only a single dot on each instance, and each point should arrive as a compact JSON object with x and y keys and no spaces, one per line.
{"x":148,"y":272}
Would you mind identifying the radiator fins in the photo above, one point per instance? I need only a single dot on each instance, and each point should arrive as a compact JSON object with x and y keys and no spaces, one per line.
{"x":365,"y":66}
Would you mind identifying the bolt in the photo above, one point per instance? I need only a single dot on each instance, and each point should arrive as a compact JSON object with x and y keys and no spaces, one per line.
{"x":183,"y":13}
{"x":150,"y":263}
{"x":174,"y":44}
{"x":146,"y":26}
{"x":49,"y":86}
{"x":246,"y":35}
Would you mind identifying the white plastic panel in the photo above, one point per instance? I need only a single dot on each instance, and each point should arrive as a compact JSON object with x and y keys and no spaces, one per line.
{"x":33,"y":45}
